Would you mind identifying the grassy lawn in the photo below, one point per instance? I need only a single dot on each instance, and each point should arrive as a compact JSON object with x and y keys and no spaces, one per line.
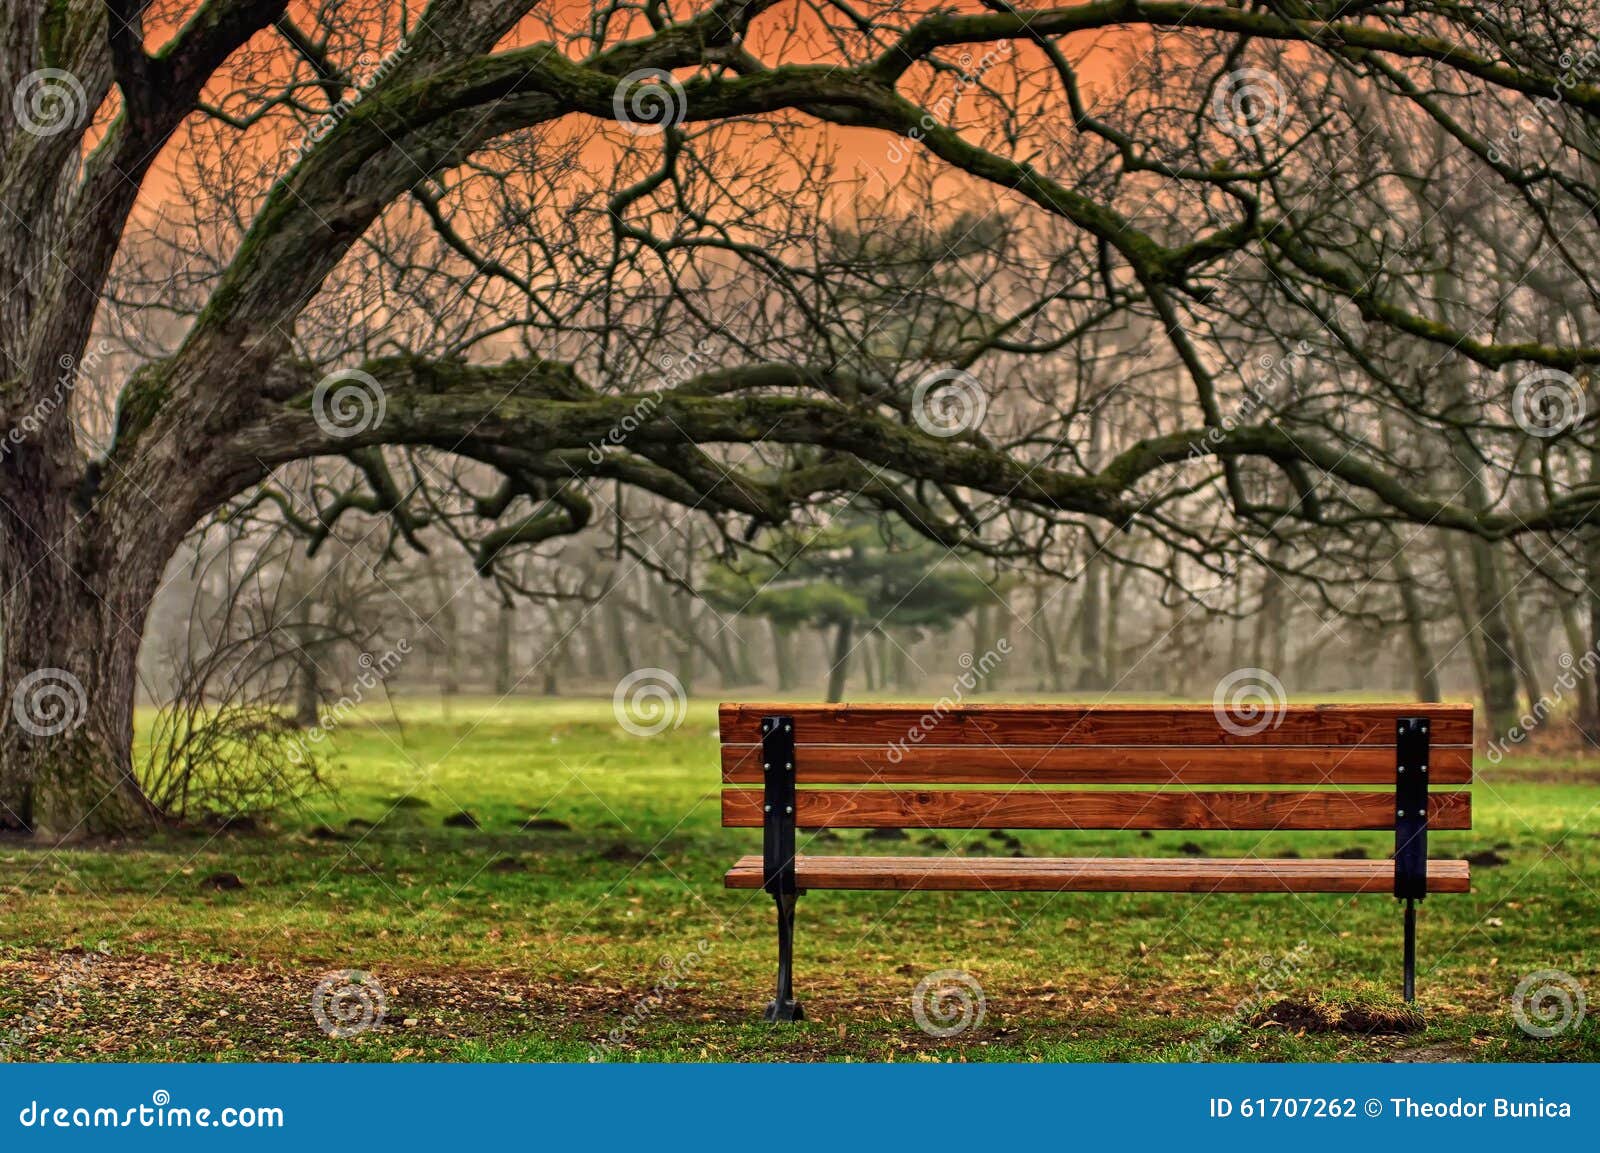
{"x":506,"y":942}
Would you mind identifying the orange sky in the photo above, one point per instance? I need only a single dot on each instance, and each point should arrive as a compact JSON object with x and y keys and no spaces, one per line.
{"x":791,"y":33}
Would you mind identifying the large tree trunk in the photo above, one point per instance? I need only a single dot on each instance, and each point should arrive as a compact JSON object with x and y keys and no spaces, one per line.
{"x":73,"y":612}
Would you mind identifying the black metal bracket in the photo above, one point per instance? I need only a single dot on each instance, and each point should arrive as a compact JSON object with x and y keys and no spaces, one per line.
{"x":777,"y":854}
{"x":1411,"y":808}
{"x":777,"y":800}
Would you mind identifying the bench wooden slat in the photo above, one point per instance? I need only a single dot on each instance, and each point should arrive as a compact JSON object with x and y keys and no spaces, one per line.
{"x":1091,"y":724}
{"x":1101,"y":874}
{"x":1078,"y":764}
{"x":1062,"y":809}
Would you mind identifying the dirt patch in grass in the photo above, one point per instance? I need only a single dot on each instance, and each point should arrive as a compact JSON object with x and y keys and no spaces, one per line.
{"x":141,"y":1007}
{"x":1435,"y":1054}
{"x":1364,"y":1014}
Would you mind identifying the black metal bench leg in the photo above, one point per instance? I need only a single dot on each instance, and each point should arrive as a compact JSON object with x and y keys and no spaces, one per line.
{"x":1411,"y":950}
{"x":784,"y":1007}
{"x":1411,"y":831}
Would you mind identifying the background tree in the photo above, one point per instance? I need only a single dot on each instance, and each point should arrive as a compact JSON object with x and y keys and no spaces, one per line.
{"x":850,"y":578}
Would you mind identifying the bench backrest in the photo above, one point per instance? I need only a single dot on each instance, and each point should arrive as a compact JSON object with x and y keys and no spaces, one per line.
{"x":899,"y":758}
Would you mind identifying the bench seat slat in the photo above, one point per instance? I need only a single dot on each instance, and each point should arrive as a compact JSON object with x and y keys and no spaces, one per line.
{"x":1064,"y":809}
{"x":1101,"y":874}
{"x":1104,"y":765}
{"x":740,"y":723}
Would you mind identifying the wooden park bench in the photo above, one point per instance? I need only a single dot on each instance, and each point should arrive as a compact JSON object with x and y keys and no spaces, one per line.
{"x":1343,"y":767}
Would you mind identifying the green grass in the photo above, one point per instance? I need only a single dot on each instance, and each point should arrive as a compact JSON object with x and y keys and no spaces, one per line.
{"x":505,"y":943}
